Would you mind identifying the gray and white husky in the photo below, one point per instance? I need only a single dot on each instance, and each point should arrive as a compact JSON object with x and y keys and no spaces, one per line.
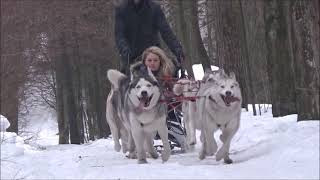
{"x":135,"y":114}
{"x":190,"y":109}
{"x":220,"y":109}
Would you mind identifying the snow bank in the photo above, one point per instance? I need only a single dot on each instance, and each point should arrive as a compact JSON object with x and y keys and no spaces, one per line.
{"x":11,"y":143}
{"x":4,"y":123}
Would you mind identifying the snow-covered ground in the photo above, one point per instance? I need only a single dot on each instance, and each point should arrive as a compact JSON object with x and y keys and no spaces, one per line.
{"x":263,"y":148}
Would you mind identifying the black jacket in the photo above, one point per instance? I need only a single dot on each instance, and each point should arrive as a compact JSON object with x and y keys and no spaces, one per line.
{"x":137,"y":27}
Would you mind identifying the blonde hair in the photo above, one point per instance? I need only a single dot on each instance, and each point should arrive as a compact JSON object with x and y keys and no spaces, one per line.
{"x":166,"y":65}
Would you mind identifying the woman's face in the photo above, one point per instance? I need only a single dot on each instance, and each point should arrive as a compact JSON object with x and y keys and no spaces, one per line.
{"x":152,"y":61}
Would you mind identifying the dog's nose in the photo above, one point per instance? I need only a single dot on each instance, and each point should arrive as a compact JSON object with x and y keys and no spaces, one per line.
{"x":144,"y":93}
{"x":228,"y":93}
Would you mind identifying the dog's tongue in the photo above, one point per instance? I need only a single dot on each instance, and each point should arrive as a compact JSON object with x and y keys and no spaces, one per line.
{"x":230,"y":99}
{"x":143,"y":101}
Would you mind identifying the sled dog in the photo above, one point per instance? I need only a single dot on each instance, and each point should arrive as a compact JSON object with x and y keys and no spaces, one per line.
{"x":136,"y":113}
{"x":220,"y":109}
{"x":191,"y":112}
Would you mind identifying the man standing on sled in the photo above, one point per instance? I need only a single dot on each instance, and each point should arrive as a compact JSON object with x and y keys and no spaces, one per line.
{"x":138,"y":24}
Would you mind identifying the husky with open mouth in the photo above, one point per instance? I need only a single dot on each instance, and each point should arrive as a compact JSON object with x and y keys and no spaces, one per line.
{"x":135,"y":109}
{"x":220,"y":109}
{"x":191,"y":112}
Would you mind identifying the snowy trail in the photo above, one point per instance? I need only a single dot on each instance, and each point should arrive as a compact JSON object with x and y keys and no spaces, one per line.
{"x":264,"y":147}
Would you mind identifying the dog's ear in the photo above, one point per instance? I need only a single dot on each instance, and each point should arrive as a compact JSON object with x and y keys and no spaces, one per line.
{"x":211,"y":80}
{"x":232,"y":75}
{"x":131,"y":85}
{"x":138,"y":69}
{"x":222,"y":73}
{"x":115,"y":77}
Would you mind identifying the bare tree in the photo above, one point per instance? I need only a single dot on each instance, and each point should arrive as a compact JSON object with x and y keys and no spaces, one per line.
{"x":210,"y":24}
{"x":231,"y":44}
{"x":186,"y":24}
{"x":306,"y":40}
{"x":14,"y":72}
{"x":253,"y":13}
{"x":280,"y":64}
{"x":69,"y":69}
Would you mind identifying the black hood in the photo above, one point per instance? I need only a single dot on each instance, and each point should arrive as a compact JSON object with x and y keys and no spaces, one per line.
{"x":137,"y":29}
{"x":139,"y":5}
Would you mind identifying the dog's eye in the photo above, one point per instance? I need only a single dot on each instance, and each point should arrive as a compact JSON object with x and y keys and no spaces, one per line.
{"x":148,"y":85}
{"x":232,"y":87}
{"x":222,"y":87}
{"x":138,"y":87}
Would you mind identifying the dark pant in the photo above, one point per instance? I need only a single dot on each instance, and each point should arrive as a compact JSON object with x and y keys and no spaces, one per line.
{"x":172,"y":115}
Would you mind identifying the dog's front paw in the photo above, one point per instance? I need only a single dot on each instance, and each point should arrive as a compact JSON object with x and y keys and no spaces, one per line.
{"x":142,"y":161}
{"x":227,"y":160}
{"x":132,"y":155}
{"x":202,"y":155}
{"x":165,"y":155}
{"x":211,"y":150}
{"x":221,"y":154}
{"x":125,"y":148}
{"x":117,"y":147}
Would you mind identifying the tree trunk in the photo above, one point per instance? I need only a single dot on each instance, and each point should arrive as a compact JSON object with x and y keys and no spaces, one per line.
{"x":200,"y":51}
{"x":90,"y":102}
{"x":306,"y":40}
{"x":63,"y":126}
{"x":68,"y":106}
{"x":189,"y":33}
{"x":280,"y":67}
{"x":247,"y":63}
{"x":256,"y":42}
{"x":78,"y":86}
{"x":231,"y":53}
{"x":210,"y":19}
{"x":104,"y":130}
{"x":183,"y":31}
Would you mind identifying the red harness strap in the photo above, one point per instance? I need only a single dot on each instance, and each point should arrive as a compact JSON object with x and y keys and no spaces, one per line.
{"x":168,"y":100}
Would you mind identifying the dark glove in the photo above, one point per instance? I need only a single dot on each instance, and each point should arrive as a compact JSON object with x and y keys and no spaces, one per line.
{"x":181,"y":66}
{"x":183,"y":73}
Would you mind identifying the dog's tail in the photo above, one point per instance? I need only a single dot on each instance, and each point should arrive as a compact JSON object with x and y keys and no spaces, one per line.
{"x":115,"y":77}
